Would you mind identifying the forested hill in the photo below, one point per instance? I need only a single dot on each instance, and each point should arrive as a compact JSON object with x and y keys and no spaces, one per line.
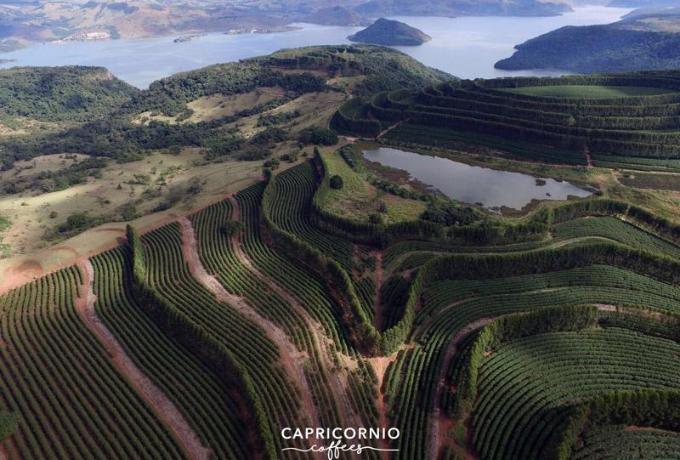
{"x":391,"y":33}
{"x":383,"y":69}
{"x":61,"y":93}
{"x":101,"y":110}
{"x":651,"y":42}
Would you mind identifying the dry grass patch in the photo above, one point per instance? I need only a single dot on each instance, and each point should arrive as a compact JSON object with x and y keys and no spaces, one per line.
{"x":215,"y":106}
{"x":315,"y":109}
{"x":146,"y":183}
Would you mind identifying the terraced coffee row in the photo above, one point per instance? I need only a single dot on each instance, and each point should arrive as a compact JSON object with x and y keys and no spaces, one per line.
{"x":59,"y":379}
{"x":168,"y":274}
{"x":196,"y":389}
{"x":526,"y":386}
{"x":494,"y":113}
{"x":293,"y":353}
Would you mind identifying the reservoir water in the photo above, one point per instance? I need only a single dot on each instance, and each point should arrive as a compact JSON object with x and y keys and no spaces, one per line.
{"x":467,"y":46}
{"x":474,"y":184}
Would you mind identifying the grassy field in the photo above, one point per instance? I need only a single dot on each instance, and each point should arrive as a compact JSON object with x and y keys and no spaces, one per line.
{"x":651,"y":181}
{"x":313,"y":109}
{"x":587,"y":91}
{"x":208,"y":108}
{"x":357,"y":199}
{"x":143,"y":184}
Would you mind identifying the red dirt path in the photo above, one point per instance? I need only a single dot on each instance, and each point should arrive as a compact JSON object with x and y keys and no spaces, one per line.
{"x":292,"y":360}
{"x":377,"y":303}
{"x":163,"y":407}
{"x":589,"y":159}
{"x":439,"y":424}
{"x":337,"y":379}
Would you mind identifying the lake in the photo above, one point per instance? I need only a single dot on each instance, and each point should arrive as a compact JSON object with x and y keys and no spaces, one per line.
{"x":467,"y":46}
{"x":474,"y":184}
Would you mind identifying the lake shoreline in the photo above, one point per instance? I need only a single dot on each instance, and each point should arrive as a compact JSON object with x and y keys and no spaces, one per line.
{"x":494,"y":189}
{"x":464,"y":46}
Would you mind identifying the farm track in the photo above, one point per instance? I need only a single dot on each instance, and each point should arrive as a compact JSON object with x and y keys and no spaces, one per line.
{"x":387,"y":130}
{"x":162,"y":406}
{"x":380,"y":365}
{"x":438,"y":425}
{"x":292,"y":360}
{"x":589,"y":158}
{"x":379,"y":276}
{"x":321,"y":341}
{"x":553,"y":243}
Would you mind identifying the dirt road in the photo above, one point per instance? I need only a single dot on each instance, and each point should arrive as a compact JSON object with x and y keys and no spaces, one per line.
{"x":162,"y":406}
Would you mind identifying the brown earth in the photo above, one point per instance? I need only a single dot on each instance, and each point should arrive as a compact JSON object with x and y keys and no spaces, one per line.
{"x":380,"y":365}
{"x":162,"y":406}
{"x":292,"y":360}
{"x":440,"y":423}
{"x":337,"y":377}
{"x":378,"y":277}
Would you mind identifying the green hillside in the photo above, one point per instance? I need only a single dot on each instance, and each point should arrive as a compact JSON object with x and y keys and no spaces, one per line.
{"x":104,"y":108}
{"x":61,"y":93}
{"x":390,"y":33}
{"x":587,"y":91}
{"x":640,"y":42}
{"x":278,"y":278}
{"x":610,"y":119}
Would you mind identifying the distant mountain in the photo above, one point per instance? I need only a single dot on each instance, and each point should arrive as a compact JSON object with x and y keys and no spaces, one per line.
{"x":390,"y":33}
{"x":642,"y":3}
{"x":463,"y":8}
{"x":335,"y":16}
{"x":79,"y":20}
{"x":649,"y":11}
{"x":641,"y":42}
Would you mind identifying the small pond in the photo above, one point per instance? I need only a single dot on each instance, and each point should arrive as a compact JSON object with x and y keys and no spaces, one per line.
{"x":475,"y":184}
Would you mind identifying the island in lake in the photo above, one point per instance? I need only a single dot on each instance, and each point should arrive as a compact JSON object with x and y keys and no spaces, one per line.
{"x":390,"y":33}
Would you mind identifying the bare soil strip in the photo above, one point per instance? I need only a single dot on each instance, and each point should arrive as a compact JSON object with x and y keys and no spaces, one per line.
{"x":387,"y":130}
{"x":322,"y":342}
{"x":380,"y":365}
{"x":589,"y":159}
{"x":377,"y":304}
{"x":438,"y":422}
{"x":648,"y":428}
{"x":164,"y":409}
{"x":292,"y":360}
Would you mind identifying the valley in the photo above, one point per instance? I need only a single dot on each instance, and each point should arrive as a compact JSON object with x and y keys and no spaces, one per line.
{"x":339,"y":236}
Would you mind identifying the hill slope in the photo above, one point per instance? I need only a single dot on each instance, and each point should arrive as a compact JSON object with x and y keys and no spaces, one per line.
{"x":335,"y":16}
{"x":107,"y":106}
{"x":649,"y":42}
{"x":61,"y":93}
{"x":390,"y":33}
{"x":383,"y":69}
